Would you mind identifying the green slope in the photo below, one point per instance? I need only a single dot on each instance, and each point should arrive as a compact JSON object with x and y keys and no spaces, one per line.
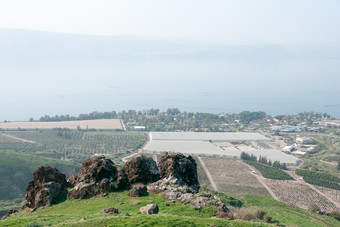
{"x":16,"y":170}
{"x":71,"y":212}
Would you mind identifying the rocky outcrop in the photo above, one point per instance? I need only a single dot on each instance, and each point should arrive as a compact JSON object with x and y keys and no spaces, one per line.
{"x":171,"y":191}
{"x":138,"y":190}
{"x":83,"y":191}
{"x":46,"y":185}
{"x":149,"y":209}
{"x":109,"y":210}
{"x":141,"y":170}
{"x":181,"y":169}
{"x":10,"y":212}
{"x":97,"y":175}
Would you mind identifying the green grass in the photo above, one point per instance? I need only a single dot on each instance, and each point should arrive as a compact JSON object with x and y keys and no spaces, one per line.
{"x":70,"y":213}
{"x":16,"y":170}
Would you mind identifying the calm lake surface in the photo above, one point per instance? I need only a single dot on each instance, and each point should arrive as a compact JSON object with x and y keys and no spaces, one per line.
{"x":38,"y":87}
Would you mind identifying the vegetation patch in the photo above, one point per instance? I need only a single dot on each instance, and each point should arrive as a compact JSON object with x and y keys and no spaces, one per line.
{"x":321,"y":179}
{"x":270,"y":172}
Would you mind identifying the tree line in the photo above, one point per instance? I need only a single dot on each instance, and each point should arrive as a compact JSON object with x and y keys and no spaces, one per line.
{"x":263,"y":160}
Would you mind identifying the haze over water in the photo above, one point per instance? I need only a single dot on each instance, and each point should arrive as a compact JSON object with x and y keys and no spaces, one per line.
{"x":216,"y":86}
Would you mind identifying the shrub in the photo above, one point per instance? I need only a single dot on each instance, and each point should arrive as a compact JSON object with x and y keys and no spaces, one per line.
{"x":260,"y":214}
{"x":244,"y":214}
{"x":267,"y":218}
{"x":312,"y":207}
{"x":335,"y":214}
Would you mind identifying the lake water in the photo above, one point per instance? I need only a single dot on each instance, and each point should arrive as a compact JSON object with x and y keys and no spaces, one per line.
{"x":35,"y":88}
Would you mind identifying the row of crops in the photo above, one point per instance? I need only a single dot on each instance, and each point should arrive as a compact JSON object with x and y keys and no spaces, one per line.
{"x":320,"y":179}
{"x":72,"y":145}
{"x":270,"y":172}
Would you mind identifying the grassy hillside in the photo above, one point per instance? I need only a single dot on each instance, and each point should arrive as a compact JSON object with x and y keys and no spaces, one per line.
{"x":16,"y":170}
{"x":71,"y":213}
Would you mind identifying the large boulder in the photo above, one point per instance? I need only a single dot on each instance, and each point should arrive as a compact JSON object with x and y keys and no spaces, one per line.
{"x":46,"y":185}
{"x":95,"y":176}
{"x":95,"y":169}
{"x":141,"y":169}
{"x":182,"y":169}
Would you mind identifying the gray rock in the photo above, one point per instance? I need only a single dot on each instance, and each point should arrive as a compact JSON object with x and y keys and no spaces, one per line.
{"x":185,"y":197}
{"x":83,"y":191}
{"x":109,"y":210}
{"x":149,"y":209}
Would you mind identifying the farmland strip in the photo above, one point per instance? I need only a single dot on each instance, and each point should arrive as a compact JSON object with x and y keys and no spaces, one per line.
{"x":212,"y":182}
{"x":21,"y":139}
{"x":259,"y":178}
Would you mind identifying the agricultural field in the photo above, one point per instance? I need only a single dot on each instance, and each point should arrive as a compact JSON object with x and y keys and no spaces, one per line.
{"x":75,"y":146}
{"x":269,"y":171}
{"x":207,"y":136}
{"x":298,"y":193}
{"x":233,"y":177}
{"x":216,"y":143}
{"x":331,"y":193}
{"x":101,"y":124}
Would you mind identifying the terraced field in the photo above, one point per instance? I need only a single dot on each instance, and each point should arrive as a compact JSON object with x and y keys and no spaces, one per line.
{"x":297,"y":193}
{"x":233,"y":177}
{"x":71,"y":145}
{"x":331,"y":193}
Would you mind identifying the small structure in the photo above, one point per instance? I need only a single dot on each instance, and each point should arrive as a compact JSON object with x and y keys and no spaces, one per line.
{"x":304,"y":140}
{"x":139,"y":128}
{"x":288,"y":148}
{"x":314,"y":129}
{"x":301,"y":153}
{"x":286,"y":128}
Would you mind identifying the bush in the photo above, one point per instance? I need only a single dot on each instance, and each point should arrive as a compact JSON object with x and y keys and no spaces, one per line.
{"x":335,"y":214}
{"x":312,"y":207}
{"x":267,"y":218}
{"x":244,"y":214}
{"x":260,"y":214}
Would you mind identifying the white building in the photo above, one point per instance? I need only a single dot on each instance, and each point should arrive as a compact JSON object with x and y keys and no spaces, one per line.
{"x":139,"y":128}
{"x":288,"y":148}
{"x":299,"y":153}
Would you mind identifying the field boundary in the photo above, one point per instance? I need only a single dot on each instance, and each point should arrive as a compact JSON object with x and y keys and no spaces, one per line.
{"x":21,"y":139}
{"x":212,"y":182}
{"x":259,"y":178}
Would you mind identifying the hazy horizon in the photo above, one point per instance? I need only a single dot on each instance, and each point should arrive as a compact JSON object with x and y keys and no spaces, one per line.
{"x":72,"y":57}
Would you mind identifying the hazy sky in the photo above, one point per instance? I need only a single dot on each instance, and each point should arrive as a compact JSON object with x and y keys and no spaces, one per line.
{"x":310,"y":22}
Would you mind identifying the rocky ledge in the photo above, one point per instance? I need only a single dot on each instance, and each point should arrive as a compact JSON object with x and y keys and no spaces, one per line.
{"x":175,"y":179}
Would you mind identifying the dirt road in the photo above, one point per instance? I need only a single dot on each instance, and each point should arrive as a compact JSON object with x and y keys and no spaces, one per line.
{"x":260,"y":178}
{"x":21,"y":139}
{"x":212,"y":182}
